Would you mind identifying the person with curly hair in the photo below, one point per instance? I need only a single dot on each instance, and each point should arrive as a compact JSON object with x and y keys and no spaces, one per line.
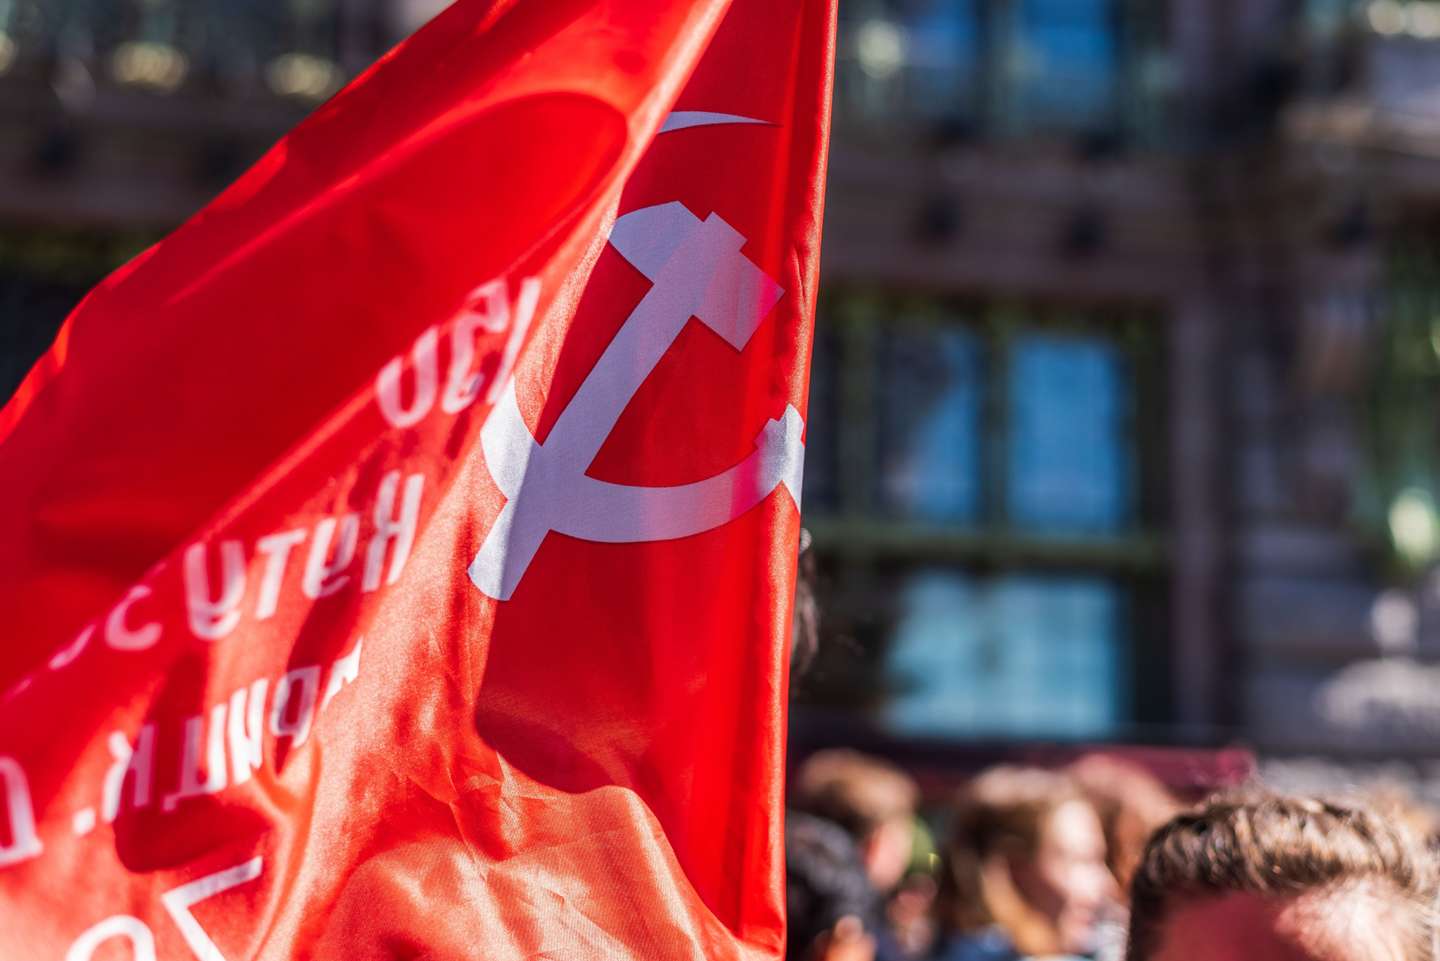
{"x":1264,"y":877}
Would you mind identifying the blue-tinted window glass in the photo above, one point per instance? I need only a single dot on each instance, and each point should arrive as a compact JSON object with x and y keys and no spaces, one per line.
{"x":908,"y":58}
{"x":936,"y":653}
{"x":1067,"y":60}
{"x":930,"y":433}
{"x":942,"y":52}
{"x":1328,"y":17}
{"x":1014,"y":657}
{"x":82,"y":28}
{"x":1068,"y":449}
{"x":262,"y":31}
{"x":240,"y":36}
{"x":313,"y":26}
{"x":1064,"y":641}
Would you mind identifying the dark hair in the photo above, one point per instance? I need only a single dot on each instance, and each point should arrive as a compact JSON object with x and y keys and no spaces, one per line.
{"x":805,"y":622}
{"x":1275,"y":846}
{"x":824,"y":881}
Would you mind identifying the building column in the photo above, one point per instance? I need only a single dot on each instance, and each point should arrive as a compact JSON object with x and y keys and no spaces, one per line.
{"x":1200,"y":629}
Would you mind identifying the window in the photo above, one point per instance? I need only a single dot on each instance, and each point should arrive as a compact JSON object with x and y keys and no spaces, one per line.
{"x":929,"y":457}
{"x":1067,"y":463}
{"x":1066,"y":61}
{"x":292,"y":46}
{"x":1401,"y":481}
{"x":1029,"y":656}
{"x":989,"y":524}
{"x":942,"y":53}
{"x":1013,"y":67}
{"x":1327,"y":18}
{"x":909,"y":59}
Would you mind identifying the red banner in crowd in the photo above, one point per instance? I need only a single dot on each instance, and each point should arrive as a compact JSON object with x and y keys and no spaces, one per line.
{"x":396,"y":560}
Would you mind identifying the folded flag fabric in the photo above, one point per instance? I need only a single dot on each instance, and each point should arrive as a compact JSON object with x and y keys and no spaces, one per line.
{"x":396,"y":560}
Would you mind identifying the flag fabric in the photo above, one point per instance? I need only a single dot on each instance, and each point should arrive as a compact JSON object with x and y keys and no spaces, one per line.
{"x":396,"y":560}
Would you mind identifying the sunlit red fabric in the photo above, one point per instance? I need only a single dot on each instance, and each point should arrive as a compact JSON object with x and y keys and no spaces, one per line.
{"x":253,"y":704}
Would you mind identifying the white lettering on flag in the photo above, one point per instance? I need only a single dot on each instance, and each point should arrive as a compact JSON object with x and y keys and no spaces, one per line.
{"x":195,"y":782}
{"x":212,"y":618}
{"x":20,"y":813}
{"x":246,"y":730}
{"x":322,"y":577}
{"x":298,"y":688}
{"x":137,"y":760}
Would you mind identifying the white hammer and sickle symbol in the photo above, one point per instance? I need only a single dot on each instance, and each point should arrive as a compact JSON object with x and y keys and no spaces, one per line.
{"x":696,"y":269}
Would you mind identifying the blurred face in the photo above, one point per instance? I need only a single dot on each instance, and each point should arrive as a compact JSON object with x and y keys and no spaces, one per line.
{"x":887,"y":853}
{"x":1246,"y":927}
{"x":1068,"y":881}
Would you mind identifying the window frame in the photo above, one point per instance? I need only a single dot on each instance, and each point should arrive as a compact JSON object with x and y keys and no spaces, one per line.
{"x":1139,"y":30}
{"x":861,"y":550}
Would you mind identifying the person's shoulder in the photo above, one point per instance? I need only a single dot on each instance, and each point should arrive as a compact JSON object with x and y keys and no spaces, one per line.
{"x":991,"y":945}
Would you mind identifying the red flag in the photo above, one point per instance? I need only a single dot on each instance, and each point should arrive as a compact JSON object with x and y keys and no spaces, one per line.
{"x":396,"y":559}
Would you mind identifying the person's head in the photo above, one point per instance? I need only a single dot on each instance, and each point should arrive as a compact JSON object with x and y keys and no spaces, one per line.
{"x":1262,"y":876}
{"x":1132,"y":805}
{"x":872,"y":800}
{"x":1027,"y":854}
{"x":828,"y":898}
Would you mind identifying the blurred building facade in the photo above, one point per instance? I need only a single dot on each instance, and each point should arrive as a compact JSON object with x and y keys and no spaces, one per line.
{"x":1123,"y":413}
{"x":1129,"y":345}
{"x":120,"y":118}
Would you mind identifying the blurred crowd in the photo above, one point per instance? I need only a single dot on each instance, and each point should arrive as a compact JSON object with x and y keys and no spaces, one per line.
{"x":1094,"y":860}
{"x":1098,"y":860}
